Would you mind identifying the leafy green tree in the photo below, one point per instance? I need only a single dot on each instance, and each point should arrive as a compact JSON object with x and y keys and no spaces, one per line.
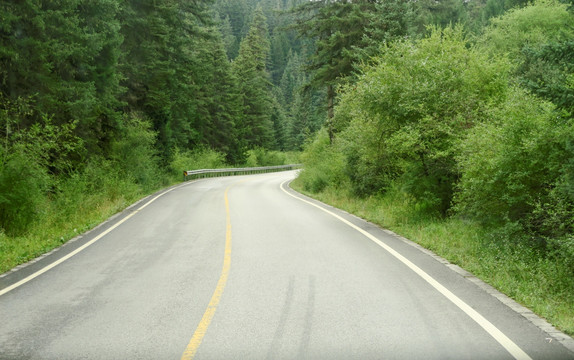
{"x":538,"y":38}
{"x":547,"y":72}
{"x":522,"y":179}
{"x":403,"y":118}
{"x":543,"y":22}
{"x":517,"y":169}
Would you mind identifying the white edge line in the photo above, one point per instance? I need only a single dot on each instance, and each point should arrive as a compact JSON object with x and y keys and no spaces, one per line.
{"x":492,"y":330}
{"x":81,"y":248}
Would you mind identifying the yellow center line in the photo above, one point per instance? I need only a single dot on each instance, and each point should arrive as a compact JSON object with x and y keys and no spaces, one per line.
{"x":197,"y":337}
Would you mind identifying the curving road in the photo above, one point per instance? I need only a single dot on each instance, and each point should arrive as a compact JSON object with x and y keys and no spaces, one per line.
{"x":245,"y":268}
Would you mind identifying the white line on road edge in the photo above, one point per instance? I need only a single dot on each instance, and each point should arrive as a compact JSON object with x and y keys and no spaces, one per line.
{"x":64,"y":258}
{"x":502,"y":339}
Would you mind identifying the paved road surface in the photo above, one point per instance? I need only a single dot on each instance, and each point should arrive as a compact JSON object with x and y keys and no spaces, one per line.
{"x":239,"y":268}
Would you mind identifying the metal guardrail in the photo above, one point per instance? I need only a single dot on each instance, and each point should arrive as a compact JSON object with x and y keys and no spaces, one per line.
{"x":203,"y":173}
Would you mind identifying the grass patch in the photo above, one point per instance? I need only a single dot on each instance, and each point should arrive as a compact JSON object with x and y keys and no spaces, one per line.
{"x":60,"y":224}
{"x":541,"y":284}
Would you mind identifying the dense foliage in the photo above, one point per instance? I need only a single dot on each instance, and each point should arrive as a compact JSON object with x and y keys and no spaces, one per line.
{"x":135,"y":88}
{"x":401,"y":121}
{"x":478,"y":128}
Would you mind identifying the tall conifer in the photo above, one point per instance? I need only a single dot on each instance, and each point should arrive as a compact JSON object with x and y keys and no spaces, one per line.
{"x":256,"y":126}
{"x":62,"y":57}
{"x":341,"y":29}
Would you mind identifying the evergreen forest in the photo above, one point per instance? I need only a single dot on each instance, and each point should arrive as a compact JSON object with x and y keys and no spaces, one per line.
{"x":450,"y":114}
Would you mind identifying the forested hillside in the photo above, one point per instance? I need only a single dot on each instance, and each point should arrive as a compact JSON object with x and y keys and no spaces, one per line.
{"x":109,"y":99}
{"x":137,"y":89}
{"x":451,"y":110}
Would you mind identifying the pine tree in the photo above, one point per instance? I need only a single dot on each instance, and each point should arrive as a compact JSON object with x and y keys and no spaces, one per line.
{"x":158,"y":49}
{"x":229,"y":40}
{"x":216,"y":96}
{"x":341,"y":29}
{"x":62,"y":57}
{"x":441,"y":13}
{"x":279,"y":54}
{"x":256,"y":126}
{"x":146,"y":69}
{"x":101,"y":24}
{"x":292,"y":88}
{"x":238,"y":12}
{"x":337,"y":26}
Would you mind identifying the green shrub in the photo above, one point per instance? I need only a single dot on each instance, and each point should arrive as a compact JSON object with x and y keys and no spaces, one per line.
{"x":516,"y":169}
{"x":23,"y":185}
{"x":540,"y":23}
{"x":402,"y":119}
{"x":134,"y":153}
{"x":262,"y":157}
{"x":100,"y":182}
{"x":324,"y":165}
{"x":201,"y":158}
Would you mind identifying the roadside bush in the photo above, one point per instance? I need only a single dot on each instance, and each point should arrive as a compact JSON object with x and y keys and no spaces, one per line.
{"x":31,"y":158}
{"x":134,"y":154}
{"x":516,"y":169}
{"x":201,"y":158}
{"x":370,"y":165}
{"x":403,"y":117}
{"x":538,"y":38}
{"x":324,"y":165}
{"x":23,"y":185}
{"x":100,"y":181}
{"x":53,"y":147}
{"x":262,"y":157}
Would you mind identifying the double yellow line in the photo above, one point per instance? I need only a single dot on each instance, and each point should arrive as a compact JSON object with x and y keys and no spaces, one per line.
{"x":199,"y":333}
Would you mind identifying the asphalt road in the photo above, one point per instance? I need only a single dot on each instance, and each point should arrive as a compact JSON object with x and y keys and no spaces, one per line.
{"x":245,"y":268}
